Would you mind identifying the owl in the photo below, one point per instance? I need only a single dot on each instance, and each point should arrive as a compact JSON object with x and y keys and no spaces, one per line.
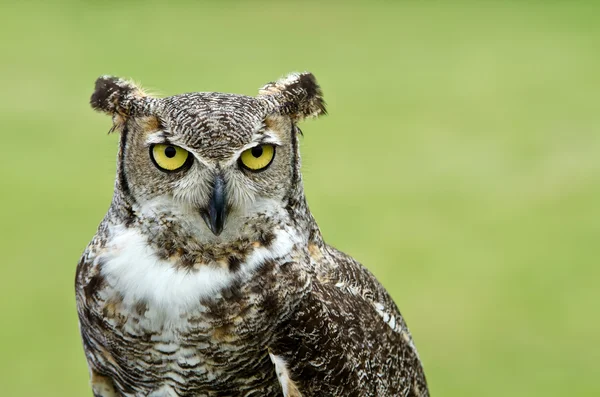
{"x":209,"y":276}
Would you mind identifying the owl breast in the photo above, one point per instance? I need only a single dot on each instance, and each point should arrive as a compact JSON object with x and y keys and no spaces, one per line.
{"x":150,"y":326}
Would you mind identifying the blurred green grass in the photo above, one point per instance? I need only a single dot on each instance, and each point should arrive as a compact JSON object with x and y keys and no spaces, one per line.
{"x":460,"y":162}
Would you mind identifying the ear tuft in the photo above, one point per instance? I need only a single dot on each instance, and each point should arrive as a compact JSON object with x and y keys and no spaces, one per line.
{"x":297,"y":95}
{"x":114,"y":95}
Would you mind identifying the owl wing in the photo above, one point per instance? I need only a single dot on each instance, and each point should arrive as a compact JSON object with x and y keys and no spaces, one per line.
{"x":347,"y":338}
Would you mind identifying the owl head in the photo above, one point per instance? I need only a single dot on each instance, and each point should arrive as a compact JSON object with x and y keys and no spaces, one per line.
{"x":223,"y":158}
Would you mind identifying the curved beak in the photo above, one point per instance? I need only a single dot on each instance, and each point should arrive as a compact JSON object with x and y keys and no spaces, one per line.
{"x":214,"y":215}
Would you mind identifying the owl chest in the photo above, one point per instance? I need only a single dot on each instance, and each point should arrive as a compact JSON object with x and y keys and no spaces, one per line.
{"x":148,"y":325}
{"x":218,"y":345}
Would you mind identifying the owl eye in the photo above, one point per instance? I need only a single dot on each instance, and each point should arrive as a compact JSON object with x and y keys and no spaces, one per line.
{"x":169,"y":157}
{"x":257,"y":158}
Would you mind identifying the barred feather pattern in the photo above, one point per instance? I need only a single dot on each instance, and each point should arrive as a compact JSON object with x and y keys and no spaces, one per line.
{"x":267,"y":308}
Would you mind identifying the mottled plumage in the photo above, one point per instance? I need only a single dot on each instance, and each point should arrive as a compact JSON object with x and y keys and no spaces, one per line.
{"x":213,"y":279}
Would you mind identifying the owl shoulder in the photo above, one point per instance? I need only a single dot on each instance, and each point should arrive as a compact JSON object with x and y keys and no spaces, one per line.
{"x":344,"y":332}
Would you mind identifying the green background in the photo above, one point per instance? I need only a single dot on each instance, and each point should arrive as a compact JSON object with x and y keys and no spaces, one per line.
{"x":460,"y":161}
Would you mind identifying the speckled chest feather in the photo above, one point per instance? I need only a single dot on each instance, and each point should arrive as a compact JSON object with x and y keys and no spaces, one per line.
{"x":163,"y":330}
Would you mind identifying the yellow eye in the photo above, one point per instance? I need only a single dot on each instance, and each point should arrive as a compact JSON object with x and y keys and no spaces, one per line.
{"x":257,"y":158}
{"x":169,"y":157}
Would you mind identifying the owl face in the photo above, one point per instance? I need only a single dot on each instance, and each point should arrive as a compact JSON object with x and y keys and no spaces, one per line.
{"x":212,"y":161}
{"x":226,"y":179}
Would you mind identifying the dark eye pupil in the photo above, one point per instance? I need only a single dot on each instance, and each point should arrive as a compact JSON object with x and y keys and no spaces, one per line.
{"x":170,"y":152}
{"x":257,"y":151}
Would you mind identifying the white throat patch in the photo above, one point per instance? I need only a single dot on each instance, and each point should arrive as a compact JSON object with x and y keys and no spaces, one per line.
{"x":134,"y":270}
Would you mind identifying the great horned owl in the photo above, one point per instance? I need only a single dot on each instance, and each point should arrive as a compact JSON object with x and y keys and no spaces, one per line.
{"x":209,"y":276}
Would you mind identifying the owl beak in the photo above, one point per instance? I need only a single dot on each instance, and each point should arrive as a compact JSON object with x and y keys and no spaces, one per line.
{"x":215,"y":214}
